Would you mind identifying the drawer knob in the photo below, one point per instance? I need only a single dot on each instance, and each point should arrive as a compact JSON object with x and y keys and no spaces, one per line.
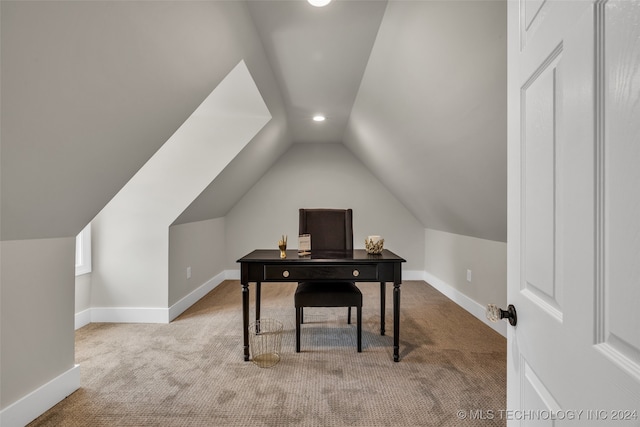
{"x":285,"y":273}
{"x":356,"y":273}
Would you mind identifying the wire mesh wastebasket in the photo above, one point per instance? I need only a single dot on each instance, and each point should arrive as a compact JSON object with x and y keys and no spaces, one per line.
{"x":265,"y":341}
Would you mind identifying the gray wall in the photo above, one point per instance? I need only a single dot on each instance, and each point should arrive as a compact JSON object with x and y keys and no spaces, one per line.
{"x":83,"y":292}
{"x":199,"y":245}
{"x":321,"y":176}
{"x":448,"y":256}
{"x":36,"y":314}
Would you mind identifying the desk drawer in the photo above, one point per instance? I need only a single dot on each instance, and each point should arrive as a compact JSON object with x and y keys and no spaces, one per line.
{"x":297,"y":273}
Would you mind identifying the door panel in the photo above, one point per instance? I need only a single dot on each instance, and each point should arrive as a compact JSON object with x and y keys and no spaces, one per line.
{"x":539,"y":113}
{"x":531,"y":10}
{"x":574,"y":211}
{"x":537,"y":398}
{"x":618,"y":159}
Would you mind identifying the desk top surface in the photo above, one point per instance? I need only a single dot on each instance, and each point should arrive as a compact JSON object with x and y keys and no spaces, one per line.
{"x":351,"y":256}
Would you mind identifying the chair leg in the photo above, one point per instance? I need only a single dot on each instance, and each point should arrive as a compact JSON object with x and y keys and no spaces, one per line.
{"x":301,"y":315}
{"x":359,"y":320}
{"x":298,"y":318}
{"x":349,"y":316}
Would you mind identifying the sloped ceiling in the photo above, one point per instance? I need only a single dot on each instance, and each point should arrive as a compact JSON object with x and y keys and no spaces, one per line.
{"x":415,"y":89}
{"x":430,"y":117}
{"x":90,"y":90}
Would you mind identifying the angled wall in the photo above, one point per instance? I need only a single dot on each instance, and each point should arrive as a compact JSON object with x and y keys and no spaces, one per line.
{"x":430,"y":118}
{"x":131,"y":234}
{"x":92,"y":89}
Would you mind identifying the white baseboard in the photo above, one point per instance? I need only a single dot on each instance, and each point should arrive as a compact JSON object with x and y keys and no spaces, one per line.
{"x":83,"y":318}
{"x":181,"y":306}
{"x":166,"y":315}
{"x":150,"y":315}
{"x":472,"y":306}
{"x":30,"y":407}
{"x":129,"y":315}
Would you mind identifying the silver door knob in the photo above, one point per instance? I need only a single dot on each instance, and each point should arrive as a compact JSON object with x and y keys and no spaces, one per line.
{"x":285,"y":273}
{"x":356,"y":273}
{"x":495,"y":313}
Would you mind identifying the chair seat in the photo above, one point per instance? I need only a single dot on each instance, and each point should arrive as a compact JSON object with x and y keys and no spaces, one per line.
{"x":328,"y":294}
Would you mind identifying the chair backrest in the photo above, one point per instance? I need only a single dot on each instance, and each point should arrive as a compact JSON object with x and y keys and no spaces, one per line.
{"x":330,"y":229}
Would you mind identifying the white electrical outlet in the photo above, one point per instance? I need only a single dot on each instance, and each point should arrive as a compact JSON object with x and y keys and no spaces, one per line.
{"x":188,"y":272}
{"x":468,"y":275}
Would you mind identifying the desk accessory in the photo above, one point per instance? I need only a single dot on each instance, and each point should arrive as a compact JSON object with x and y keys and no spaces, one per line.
{"x":304,"y":244}
{"x":282,"y":245}
{"x":374,"y":244}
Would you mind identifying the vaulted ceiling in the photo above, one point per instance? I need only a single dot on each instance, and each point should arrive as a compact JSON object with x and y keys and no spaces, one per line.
{"x":318,"y":56}
{"x":415,"y":89}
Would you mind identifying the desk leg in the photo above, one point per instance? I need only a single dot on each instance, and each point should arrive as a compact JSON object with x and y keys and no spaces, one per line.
{"x":245,"y":319}
{"x":382,"y":305}
{"x":396,"y":322}
{"x":258,"y":298}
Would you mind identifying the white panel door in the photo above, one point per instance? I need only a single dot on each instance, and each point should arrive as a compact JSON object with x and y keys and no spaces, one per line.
{"x":574,"y":212}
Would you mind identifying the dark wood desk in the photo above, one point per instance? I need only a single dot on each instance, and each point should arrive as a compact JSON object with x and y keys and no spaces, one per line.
{"x":265,"y":265}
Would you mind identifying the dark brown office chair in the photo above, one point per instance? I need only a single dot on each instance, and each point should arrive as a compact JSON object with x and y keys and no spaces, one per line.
{"x":330,"y":230}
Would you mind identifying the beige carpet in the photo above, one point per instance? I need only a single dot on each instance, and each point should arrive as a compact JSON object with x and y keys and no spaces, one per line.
{"x":191,"y":372}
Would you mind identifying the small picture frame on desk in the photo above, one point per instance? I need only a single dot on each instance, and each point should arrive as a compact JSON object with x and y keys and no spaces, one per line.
{"x":304,"y":244}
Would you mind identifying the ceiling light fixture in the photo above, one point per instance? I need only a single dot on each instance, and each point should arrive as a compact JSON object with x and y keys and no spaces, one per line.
{"x":319,"y":118}
{"x":319,"y":3}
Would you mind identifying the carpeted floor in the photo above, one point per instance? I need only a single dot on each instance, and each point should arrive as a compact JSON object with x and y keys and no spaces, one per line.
{"x":191,"y":372}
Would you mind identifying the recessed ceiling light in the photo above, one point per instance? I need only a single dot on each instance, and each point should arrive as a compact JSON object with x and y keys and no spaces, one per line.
{"x":319,"y":3}
{"x":319,"y":118}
